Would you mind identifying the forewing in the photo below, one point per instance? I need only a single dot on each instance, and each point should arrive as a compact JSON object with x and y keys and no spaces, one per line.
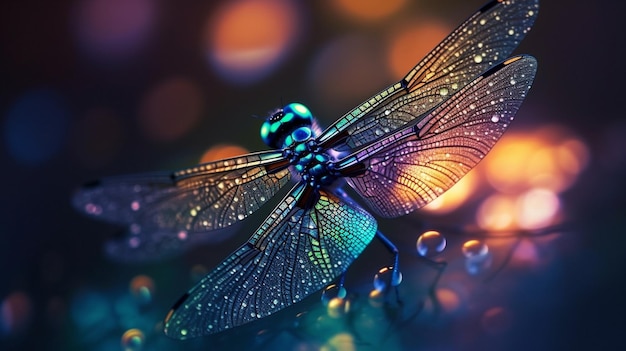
{"x":308,"y":241}
{"x":411,"y":167}
{"x":153,"y":244}
{"x":206,"y":197}
{"x":486,"y":38}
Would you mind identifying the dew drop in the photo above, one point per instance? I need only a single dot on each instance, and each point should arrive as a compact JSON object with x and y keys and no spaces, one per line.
{"x":474,"y":248}
{"x":430,"y":243}
{"x":513,"y":81}
{"x":142,"y":289}
{"x":333,"y":291}
{"x":478,"y":59}
{"x":482,"y":22}
{"x":443,"y":91}
{"x":241,"y":216}
{"x":133,"y":340}
{"x":455,"y":86}
{"x":495,"y":118}
{"x":385,"y":279}
{"x":337,"y":307}
{"x":511,"y":32}
{"x":472,"y":106}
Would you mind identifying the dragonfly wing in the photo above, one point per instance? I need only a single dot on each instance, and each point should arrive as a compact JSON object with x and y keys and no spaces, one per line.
{"x":153,"y":244}
{"x":407,"y":169}
{"x":310,"y":239}
{"x":206,"y":197}
{"x":486,"y":38}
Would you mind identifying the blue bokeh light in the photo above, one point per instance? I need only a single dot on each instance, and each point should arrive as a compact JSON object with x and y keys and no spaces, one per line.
{"x":35,"y":127}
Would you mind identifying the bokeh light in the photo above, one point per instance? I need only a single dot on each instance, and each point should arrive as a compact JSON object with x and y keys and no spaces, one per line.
{"x":448,"y":299}
{"x":548,"y":158}
{"x":17,"y":310}
{"x":142,"y":289}
{"x":36,"y":125}
{"x":536,"y":208}
{"x":340,"y":342}
{"x":222,"y":151}
{"x":337,"y":73}
{"x":171,"y":109}
{"x":525,"y":254}
{"x":247,"y":39}
{"x":133,"y":340}
{"x":369,"y":10}
{"x":98,"y":137}
{"x":376,"y":298}
{"x":410,"y":43}
{"x":110,"y":30}
{"x":337,"y":307}
{"x":496,"y":320}
{"x":497,"y":212}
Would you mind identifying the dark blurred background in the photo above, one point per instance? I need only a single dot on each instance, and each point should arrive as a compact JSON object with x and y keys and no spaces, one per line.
{"x":101,"y":87}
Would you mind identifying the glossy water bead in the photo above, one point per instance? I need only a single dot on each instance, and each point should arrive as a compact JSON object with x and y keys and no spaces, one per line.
{"x":142,"y":288}
{"x":385,"y":278}
{"x":430,"y":243}
{"x":333,"y":291}
{"x":133,"y":340}
{"x":477,"y":257}
{"x":474,"y":248}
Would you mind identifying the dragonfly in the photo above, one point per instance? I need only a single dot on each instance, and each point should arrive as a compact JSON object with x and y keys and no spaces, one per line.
{"x":398,"y":151}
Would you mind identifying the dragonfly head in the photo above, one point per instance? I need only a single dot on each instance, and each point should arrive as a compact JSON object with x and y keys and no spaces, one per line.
{"x":289,"y":125}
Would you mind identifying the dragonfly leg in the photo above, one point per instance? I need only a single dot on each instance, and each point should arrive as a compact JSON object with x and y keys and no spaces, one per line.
{"x":396,"y":275}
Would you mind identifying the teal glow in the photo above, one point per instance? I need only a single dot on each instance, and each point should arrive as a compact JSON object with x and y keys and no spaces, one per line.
{"x":288,"y":117}
{"x":265,"y":130}
{"x":301,"y":109}
{"x":274,"y":127}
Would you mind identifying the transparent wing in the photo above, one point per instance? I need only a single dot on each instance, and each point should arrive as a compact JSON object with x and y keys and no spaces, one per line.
{"x":486,"y":38}
{"x":308,"y":241}
{"x":202,"y":198}
{"x":407,"y":169}
{"x":155,"y":244}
